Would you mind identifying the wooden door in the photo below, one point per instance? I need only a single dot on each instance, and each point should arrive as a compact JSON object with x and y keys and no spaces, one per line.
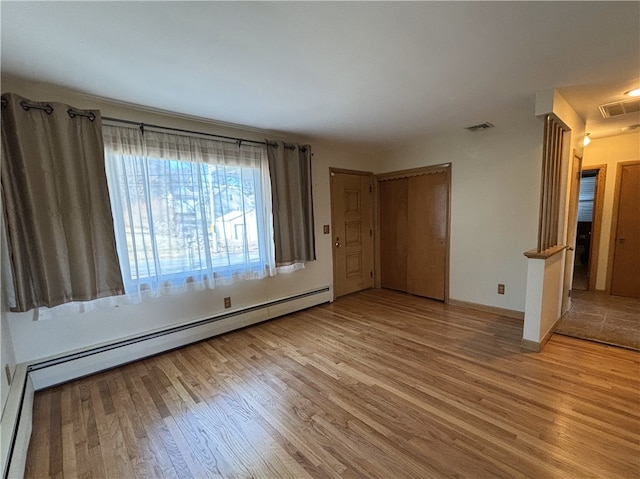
{"x":352,"y":225}
{"x":393,"y":201}
{"x":625,"y":276}
{"x":572,"y":226}
{"x":596,"y":225}
{"x":427,"y":235}
{"x":413,"y":207}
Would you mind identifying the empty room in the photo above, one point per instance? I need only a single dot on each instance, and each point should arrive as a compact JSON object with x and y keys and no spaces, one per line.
{"x":320,"y":239}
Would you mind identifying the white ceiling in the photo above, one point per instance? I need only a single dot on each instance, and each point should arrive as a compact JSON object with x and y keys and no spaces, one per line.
{"x":367,"y":72}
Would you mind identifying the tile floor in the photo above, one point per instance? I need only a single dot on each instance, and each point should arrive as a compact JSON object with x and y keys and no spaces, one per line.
{"x":601,"y":317}
{"x":580,"y":272}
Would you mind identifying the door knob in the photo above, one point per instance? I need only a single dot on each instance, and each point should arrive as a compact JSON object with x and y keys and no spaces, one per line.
{"x":621,"y":240}
{"x":338,"y":242}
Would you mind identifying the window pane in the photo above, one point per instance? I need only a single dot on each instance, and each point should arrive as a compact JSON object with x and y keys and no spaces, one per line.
{"x":183,"y":217}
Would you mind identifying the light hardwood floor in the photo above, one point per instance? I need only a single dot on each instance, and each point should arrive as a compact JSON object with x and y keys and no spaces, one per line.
{"x":378,"y":384}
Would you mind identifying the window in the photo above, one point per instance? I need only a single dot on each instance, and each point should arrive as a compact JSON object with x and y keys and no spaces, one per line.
{"x":188,"y":212}
{"x":586,"y":198}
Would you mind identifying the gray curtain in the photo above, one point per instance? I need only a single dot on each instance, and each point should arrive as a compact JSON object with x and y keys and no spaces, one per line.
{"x":290,"y":171}
{"x":56,"y":204}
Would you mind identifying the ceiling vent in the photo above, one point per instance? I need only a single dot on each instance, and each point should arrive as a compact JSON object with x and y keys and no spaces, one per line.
{"x":480,"y":126}
{"x":620,"y":108}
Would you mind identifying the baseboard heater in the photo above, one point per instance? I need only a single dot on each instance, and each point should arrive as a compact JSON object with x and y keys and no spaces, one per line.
{"x":165,"y":332}
{"x":40,"y":366}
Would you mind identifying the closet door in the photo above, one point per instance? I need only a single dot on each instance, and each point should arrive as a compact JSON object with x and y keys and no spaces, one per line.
{"x":427,"y":234}
{"x":393,"y":195}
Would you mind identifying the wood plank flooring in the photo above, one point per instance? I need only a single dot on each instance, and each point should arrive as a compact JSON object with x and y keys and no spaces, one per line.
{"x":378,"y":384}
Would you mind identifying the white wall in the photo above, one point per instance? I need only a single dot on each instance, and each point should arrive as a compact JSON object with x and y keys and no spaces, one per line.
{"x":544,"y":297}
{"x":494,"y":202}
{"x":7,"y":358}
{"x":39,"y":339}
{"x":610,"y":152}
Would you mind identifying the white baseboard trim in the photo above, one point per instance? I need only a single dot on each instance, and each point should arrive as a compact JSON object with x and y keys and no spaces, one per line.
{"x":29,"y":377}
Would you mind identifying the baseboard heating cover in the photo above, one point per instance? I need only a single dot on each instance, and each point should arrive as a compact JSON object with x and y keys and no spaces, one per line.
{"x":50,"y":372}
{"x":15,"y":425}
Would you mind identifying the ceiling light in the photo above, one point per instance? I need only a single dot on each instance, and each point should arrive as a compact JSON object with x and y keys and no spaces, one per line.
{"x":635,"y":92}
{"x":586,"y":140}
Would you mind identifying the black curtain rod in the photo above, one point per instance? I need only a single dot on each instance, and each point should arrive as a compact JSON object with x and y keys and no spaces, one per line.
{"x":91,"y":116}
{"x":181,"y":130}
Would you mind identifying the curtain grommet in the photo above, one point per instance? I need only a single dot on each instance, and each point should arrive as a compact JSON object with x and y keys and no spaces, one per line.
{"x":72,"y":113}
{"x":26,"y":106}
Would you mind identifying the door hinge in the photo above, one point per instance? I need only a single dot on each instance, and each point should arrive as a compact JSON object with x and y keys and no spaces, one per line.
{"x":371,"y":232}
{"x":372,"y":274}
{"x":370,"y":189}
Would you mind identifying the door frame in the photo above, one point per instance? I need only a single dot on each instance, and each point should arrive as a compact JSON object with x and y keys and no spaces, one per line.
{"x":446,"y":168}
{"x":332,"y":171}
{"x":573,"y":185}
{"x":614,"y":219}
{"x":596,"y":225}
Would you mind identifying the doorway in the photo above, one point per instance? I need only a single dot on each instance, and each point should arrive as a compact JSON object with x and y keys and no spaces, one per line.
{"x":597,"y":315}
{"x":352,"y":230}
{"x":589,"y":221}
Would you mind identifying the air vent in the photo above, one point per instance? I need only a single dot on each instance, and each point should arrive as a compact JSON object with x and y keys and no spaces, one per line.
{"x":480,"y":126}
{"x":620,"y":108}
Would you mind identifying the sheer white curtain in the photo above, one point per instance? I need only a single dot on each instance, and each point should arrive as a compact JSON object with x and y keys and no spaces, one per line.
{"x":189,"y":212}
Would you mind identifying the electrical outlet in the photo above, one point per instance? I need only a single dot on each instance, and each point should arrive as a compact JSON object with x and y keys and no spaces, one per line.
{"x":7,"y":371}
{"x":227,"y":302}
{"x":325,"y":229}
{"x":500,"y":288}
